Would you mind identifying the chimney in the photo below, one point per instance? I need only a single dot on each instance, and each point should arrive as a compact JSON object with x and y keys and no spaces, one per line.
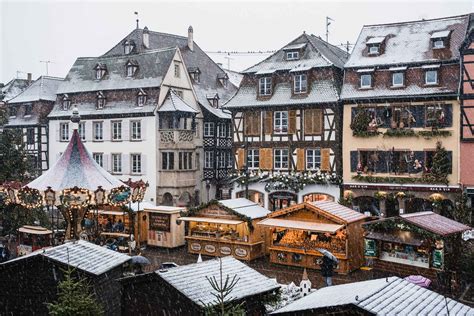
{"x":190,"y":38}
{"x":28,"y":77}
{"x":146,"y":38}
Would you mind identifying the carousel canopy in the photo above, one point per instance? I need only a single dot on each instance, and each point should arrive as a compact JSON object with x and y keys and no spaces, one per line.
{"x":75,"y":168}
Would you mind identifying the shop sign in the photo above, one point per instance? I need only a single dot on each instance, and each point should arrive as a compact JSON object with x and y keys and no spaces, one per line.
{"x":370,"y":248}
{"x":438,"y":258}
{"x":210,"y":248}
{"x":225,"y":250}
{"x":195,"y":246}
{"x":160,"y":222}
{"x":240,"y":252}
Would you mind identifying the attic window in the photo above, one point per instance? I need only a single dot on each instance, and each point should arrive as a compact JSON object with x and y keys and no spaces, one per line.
{"x":132,"y":68}
{"x":374,"y":44}
{"x":439,"y":39}
{"x":100,"y":70}
{"x":214,"y":100}
{"x":292,"y":55}
{"x":66,"y":102}
{"x":374,"y":49}
{"x":223,"y":78}
{"x":141,"y":98}
{"x":100,"y":100}
{"x":28,"y":109}
{"x":195,"y":74}
{"x":128,"y":47}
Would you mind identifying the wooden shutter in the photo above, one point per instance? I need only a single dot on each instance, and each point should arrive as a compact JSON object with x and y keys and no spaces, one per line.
{"x":325,"y":159}
{"x":247,"y":123}
{"x":354,"y":160}
{"x":313,"y":122}
{"x":292,"y":121}
{"x":266,"y":158}
{"x":268,"y":122}
{"x":300,"y":159}
{"x":240,"y":158}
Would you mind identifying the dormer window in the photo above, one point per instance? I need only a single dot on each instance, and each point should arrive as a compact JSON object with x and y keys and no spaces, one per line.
{"x":438,"y":43}
{"x":223,"y":78}
{"x":300,"y":83}
{"x":128,"y":47}
{"x":100,"y":70}
{"x":366,"y":81}
{"x":214,"y":100}
{"x":132,"y":68}
{"x":195,"y":74}
{"x":265,"y":86}
{"x":431,"y":77}
{"x":66,"y":103}
{"x":100,"y":100}
{"x":374,"y":49}
{"x":440,"y":39}
{"x":293,"y":55}
{"x":374,"y":45}
{"x":141,"y":98}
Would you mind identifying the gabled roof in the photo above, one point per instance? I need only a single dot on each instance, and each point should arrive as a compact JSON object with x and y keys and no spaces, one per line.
{"x":246,"y":207}
{"x":43,"y":88}
{"x":173,"y":103}
{"x":191,"y":280}
{"x":152,"y":68}
{"x":435,"y":223}
{"x":387,"y":296}
{"x":13,"y":88}
{"x":408,"y":42}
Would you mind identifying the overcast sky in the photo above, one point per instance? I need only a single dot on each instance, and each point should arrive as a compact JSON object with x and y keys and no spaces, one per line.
{"x":61,"y":31}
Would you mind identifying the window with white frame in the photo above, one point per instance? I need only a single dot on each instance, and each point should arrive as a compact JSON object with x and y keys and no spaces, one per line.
{"x":208,"y":129}
{"x":431,"y":77}
{"x":116,"y":130}
{"x":117,"y":163}
{"x":66,"y":103}
{"x":281,"y":159}
{"x":136,"y":163}
{"x":253,"y":158}
{"x":292,"y":55}
{"x":374,"y":49}
{"x":221,"y":160}
{"x":98,"y":131}
{"x":300,"y":83}
{"x":398,"y":79}
{"x":185,"y":161}
{"x":128,"y":47}
{"x":265,"y":86}
{"x":99,"y":158}
{"x":280,"y":121}
{"x":208,"y":159}
{"x":100,"y":100}
{"x":438,"y":43}
{"x":135,"y":130}
{"x":82,"y":130}
{"x":222,"y":128}
{"x":167,"y":160}
{"x":313,"y":158}
{"x":366,"y":81}
{"x":64,"y":132}
{"x":131,"y":69}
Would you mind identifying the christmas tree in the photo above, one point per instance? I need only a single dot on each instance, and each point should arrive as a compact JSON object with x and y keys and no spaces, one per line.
{"x":440,"y":167}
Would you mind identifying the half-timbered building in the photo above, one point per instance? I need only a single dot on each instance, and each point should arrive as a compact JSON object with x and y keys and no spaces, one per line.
{"x":402,"y":117}
{"x":286,"y":121}
{"x":27,"y":113}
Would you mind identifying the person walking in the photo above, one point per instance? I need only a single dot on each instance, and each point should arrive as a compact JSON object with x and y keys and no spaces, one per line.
{"x":327,"y":268}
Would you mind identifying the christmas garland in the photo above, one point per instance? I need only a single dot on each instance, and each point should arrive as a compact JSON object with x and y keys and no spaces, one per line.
{"x":434,"y":133}
{"x":296,"y":181}
{"x":398,"y":180}
{"x":365,"y":133}
{"x":399,"y":133}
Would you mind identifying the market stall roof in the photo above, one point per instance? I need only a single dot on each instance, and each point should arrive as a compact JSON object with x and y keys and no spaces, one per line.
{"x":301,"y":225}
{"x":348,"y":215}
{"x":150,"y":207}
{"x":210,"y":220}
{"x":75,"y":168}
{"x":115,"y":213}
{"x":246,"y":207}
{"x":37,"y":230}
{"x":435,"y":223}
{"x":400,"y":238}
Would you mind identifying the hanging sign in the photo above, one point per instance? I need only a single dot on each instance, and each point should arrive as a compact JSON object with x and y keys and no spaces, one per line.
{"x":160,"y":222}
{"x":438,"y":258}
{"x":370,"y":248}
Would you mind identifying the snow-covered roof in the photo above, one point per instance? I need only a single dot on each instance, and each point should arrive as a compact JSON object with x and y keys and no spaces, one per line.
{"x":376,"y":40}
{"x":301,"y":225}
{"x":43,"y":88}
{"x":386,"y":296}
{"x":295,"y":46}
{"x":191,"y":280}
{"x":246,"y":207}
{"x":152,"y":67}
{"x":122,"y":108}
{"x":408,"y":42}
{"x":234,"y":77}
{"x":441,"y":34}
{"x":173,"y":103}
{"x":13,"y":88}
{"x":435,"y":223}
{"x":342,"y":212}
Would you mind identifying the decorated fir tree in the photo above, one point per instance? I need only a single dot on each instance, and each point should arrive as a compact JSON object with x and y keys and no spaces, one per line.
{"x":440,"y":166}
{"x":360,"y":123}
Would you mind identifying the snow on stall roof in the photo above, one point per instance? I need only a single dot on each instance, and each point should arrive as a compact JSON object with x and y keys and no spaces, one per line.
{"x":435,"y":223}
{"x":173,"y":103}
{"x":191,"y":280}
{"x":43,"y":88}
{"x":301,"y":225}
{"x":246,"y":207}
{"x":346,"y":214}
{"x":408,"y":42}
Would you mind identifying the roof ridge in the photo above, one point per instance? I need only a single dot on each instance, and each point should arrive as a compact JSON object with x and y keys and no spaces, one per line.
{"x":417,"y":21}
{"x":151,"y":51}
{"x":169,"y":34}
{"x":50,"y":77}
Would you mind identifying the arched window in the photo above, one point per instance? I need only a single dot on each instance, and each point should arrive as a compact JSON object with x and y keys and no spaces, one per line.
{"x":167,"y":199}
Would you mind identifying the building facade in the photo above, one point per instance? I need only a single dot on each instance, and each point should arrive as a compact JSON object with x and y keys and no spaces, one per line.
{"x":28,"y":114}
{"x":286,"y":125}
{"x":401,"y":127}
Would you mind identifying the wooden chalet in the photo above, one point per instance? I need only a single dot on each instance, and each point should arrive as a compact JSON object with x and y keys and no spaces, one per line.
{"x":295,"y":233}
{"x":226,"y":227}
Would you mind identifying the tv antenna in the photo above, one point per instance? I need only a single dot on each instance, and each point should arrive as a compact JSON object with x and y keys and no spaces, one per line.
{"x":46,"y":62}
{"x":136,"y":13}
{"x":228,"y":60}
{"x":328,"y":22}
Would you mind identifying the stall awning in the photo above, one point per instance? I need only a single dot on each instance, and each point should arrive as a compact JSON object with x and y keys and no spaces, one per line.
{"x":210,"y":220}
{"x":114,"y":213}
{"x":396,"y":238}
{"x":308,"y":226}
{"x":34,"y":230}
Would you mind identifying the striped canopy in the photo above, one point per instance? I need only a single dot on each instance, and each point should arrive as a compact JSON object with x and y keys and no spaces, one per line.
{"x":75,"y":168}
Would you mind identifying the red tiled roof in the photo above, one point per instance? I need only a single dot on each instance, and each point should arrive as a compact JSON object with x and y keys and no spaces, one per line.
{"x":435,"y":223}
{"x":344,"y":213}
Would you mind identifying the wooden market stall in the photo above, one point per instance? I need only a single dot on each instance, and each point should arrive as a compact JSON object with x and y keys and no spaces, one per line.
{"x":415,"y":243}
{"x":162,"y":229}
{"x":294,"y":234}
{"x":32,"y":238}
{"x":226,"y":227}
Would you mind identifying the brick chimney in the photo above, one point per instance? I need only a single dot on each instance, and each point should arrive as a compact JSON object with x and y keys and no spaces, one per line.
{"x":146,"y":38}
{"x":190,"y":38}
{"x":28,"y":77}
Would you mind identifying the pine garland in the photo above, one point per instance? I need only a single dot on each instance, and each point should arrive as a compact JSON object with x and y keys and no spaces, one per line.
{"x":393,"y":224}
{"x":398,"y":180}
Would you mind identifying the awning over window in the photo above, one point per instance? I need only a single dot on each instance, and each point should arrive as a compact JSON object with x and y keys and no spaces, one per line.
{"x":300,"y":225}
{"x":210,"y":220}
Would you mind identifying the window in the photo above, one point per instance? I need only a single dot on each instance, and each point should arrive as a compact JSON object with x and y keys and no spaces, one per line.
{"x":30,"y":136}
{"x":117,"y":130}
{"x":116,"y":163}
{"x":253,"y":158}
{"x":281,"y":122}
{"x":435,"y":116}
{"x":136,"y":160}
{"x":438,"y":43}
{"x":431,"y":77}
{"x":281,"y":159}
{"x":128,"y":47}
{"x":12,"y":111}
{"x":82,"y":130}
{"x":229,"y":160}
{"x":185,"y":160}
{"x":398,"y":79}
{"x":136,"y":130}
{"x":208,"y":159}
{"x":167,"y":161}
{"x":265,"y":86}
{"x":100,"y":100}
{"x":177,"y":71}
{"x":221,"y":160}
{"x":374,"y":49}
{"x":98,"y":131}
{"x":313,"y":158}
{"x":141,"y":99}
{"x":64,"y":132}
{"x":99,"y":73}
{"x":293,"y":55}
{"x":66,"y":103}
{"x":131,"y":69}
{"x":28,"y":109}
{"x":222,"y":130}
{"x":366,"y":81}
{"x":301,"y":83}
{"x":179,"y":93}
{"x":99,"y":158}
{"x":195,"y":75}
{"x":208,"y":129}
{"x":402,"y":117}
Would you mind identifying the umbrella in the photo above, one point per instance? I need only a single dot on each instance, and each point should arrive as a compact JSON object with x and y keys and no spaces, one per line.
{"x":140,"y":260}
{"x":327,"y":254}
{"x":419,"y":280}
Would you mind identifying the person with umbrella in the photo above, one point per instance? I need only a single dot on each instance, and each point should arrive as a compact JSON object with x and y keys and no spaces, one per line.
{"x":328,"y":263}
